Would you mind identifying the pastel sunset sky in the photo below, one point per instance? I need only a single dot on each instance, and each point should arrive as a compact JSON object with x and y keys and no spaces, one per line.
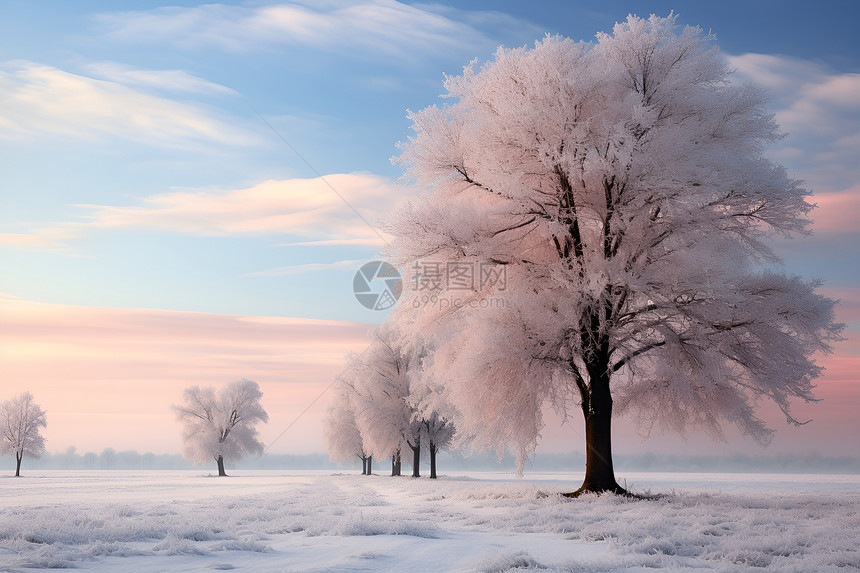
{"x":187,"y":190}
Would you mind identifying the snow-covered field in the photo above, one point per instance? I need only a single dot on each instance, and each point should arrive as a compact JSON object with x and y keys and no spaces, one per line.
{"x":319,"y":521}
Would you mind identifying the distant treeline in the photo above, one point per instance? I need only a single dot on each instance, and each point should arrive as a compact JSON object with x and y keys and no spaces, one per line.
{"x":109,"y":459}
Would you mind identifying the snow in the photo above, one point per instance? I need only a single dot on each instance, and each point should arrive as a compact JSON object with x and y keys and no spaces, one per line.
{"x":481,"y":521}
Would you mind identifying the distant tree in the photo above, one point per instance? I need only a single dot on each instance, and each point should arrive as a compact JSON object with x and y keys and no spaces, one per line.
{"x":222,"y":425}
{"x":107,"y":459}
{"x":21,"y":421}
{"x":384,"y":415}
{"x":395,"y":408}
{"x":438,"y":432}
{"x":70,"y":457}
{"x":341,"y":432}
{"x":89,"y":460}
{"x":624,"y":189}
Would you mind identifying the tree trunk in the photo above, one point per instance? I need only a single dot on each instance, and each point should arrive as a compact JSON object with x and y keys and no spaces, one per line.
{"x":369,"y":465}
{"x":416,"y":458}
{"x":395,"y":463}
{"x":363,"y":465}
{"x":18,"y":457}
{"x":433,"y":450}
{"x":221,"y":472}
{"x":597,"y":410}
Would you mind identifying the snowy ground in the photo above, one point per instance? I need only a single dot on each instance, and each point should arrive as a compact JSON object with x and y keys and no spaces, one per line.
{"x":316,"y":521}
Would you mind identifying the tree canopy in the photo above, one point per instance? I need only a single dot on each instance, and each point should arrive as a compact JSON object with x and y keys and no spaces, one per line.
{"x":21,"y":421}
{"x":222,"y":425}
{"x":623,"y":185}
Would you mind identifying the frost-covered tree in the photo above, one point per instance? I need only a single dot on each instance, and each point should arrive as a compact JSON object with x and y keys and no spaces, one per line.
{"x":222,"y":425}
{"x":21,"y":421}
{"x":430,"y":401}
{"x":623,"y":188}
{"x":393,"y":408}
{"x":341,"y":432}
{"x":438,"y":432}
{"x":385,"y":415}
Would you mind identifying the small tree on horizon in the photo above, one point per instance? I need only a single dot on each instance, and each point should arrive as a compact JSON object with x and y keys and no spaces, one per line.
{"x":222,"y":425}
{"x":623,"y":186}
{"x":20,"y":423}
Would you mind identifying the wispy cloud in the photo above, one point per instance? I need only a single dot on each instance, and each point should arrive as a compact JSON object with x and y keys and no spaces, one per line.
{"x":306,"y":268}
{"x":305,"y":209}
{"x":50,"y":239}
{"x":301,"y":207}
{"x":848,"y":309}
{"x":167,"y":80}
{"x":37,"y":99}
{"x":398,"y":30}
{"x":366,"y":241}
{"x":838,"y":211}
{"x":820,"y":110}
{"x":26,"y":240}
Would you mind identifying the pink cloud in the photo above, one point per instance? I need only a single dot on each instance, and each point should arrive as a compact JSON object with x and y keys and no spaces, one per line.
{"x":41,"y":239}
{"x":848,"y":308}
{"x":321,"y":207}
{"x":837,"y":212}
{"x":820,"y":111}
{"x":107,"y":377}
{"x":336,"y":209}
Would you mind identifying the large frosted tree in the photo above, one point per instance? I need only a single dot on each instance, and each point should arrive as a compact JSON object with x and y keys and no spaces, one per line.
{"x":622,"y":190}
{"x":221,"y":425}
{"x":21,"y":423}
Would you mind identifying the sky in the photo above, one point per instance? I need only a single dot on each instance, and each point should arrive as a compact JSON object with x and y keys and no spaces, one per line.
{"x":187,"y":191}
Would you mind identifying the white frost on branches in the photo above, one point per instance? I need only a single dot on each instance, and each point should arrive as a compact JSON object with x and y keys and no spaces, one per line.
{"x":384,"y":405}
{"x":221,"y":424}
{"x":341,"y":432}
{"x":21,"y":421}
{"x":624,"y":187}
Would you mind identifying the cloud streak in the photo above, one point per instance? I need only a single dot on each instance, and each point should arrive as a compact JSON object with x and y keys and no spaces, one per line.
{"x":307,"y":268}
{"x":39,"y":99}
{"x":397,"y":30}
{"x":301,"y":207}
{"x":169,"y":80}
{"x":305,"y":209}
{"x":837,"y":212}
{"x":820,"y":111}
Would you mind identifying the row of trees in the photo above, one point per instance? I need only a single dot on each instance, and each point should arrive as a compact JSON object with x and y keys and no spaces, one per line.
{"x":623,"y":185}
{"x":385,"y":406}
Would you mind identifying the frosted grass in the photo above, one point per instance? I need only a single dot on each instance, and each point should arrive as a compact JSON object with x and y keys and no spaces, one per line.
{"x":315,"y":521}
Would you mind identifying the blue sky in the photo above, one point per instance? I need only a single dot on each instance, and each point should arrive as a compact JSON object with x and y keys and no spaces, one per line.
{"x":138,"y":168}
{"x":166,"y":100}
